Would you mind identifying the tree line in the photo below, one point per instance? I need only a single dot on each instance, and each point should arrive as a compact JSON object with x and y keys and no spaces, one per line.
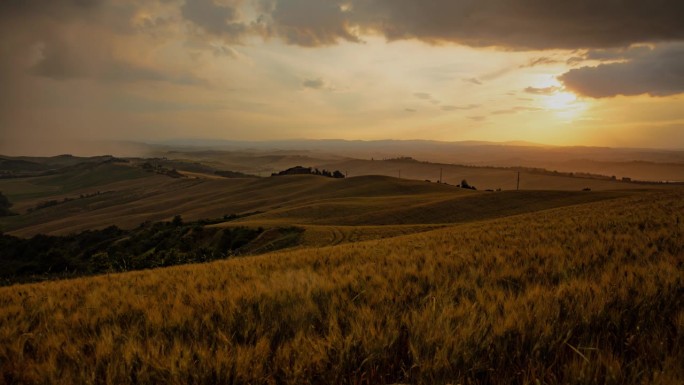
{"x":114,"y":249}
{"x":299,"y":170}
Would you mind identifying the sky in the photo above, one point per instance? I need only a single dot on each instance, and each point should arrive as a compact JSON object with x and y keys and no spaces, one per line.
{"x":585,"y":72}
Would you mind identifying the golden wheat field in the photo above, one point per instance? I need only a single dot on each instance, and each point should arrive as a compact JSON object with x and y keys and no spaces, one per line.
{"x":586,"y":294}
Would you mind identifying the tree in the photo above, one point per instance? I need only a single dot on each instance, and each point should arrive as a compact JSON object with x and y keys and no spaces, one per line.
{"x":177,"y":221}
{"x":464,"y":184}
{"x":5,"y":205}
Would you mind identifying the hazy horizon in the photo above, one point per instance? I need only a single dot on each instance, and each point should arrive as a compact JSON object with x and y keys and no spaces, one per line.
{"x":141,"y":148}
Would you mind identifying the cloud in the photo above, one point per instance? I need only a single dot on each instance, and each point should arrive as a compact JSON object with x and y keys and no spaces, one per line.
{"x":61,"y":9}
{"x":217,"y":19}
{"x":86,"y":39}
{"x":315,"y":84}
{"x":617,"y":54}
{"x":516,"y":24}
{"x":575,"y":60}
{"x":61,"y":58}
{"x":542,"y":91}
{"x":477,"y":118}
{"x":657,"y":71}
{"x":489,"y":76}
{"x":422,"y":95}
{"x":457,"y":108}
{"x":519,"y":24}
{"x":540,"y":61}
{"x":222,"y":50}
{"x":611,"y":54}
{"x":308,"y":23}
{"x":515,"y":110}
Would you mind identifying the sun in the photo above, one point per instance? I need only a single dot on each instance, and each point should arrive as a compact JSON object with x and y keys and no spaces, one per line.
{"x":560,"y":100}
{"x":564,"y":104}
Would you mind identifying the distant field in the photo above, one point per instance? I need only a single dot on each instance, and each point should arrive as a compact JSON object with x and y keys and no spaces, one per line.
{"x":79,"y":177}
{"x":365,"y":200}
{"x":642,"y":164}
{"x":592,"y":293}
{"x":481,"y":177}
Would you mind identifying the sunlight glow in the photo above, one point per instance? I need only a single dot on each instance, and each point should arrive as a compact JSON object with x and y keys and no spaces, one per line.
{"x":565,"y":105}
{"x":560,"y":100}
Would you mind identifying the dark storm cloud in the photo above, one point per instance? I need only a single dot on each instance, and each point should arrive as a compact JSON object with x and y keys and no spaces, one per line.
{"x":658,"y":72}
{"x":520,"y":24}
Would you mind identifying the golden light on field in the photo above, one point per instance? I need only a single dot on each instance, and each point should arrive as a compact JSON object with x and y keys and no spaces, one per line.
{"x":577,"y":283}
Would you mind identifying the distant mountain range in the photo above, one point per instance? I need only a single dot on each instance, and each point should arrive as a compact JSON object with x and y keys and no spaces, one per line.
{"x":464,"y":151}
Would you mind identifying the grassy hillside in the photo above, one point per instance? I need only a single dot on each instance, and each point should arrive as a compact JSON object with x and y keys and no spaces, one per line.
{"x":306,"y":199}
{"x":584,"y":294}
{"x":463,"y":206}
{"x":72,"y":179}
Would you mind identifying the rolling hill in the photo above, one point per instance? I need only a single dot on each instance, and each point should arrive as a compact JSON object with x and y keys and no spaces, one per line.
{"x":130,"y":196}
{"x":482,"y":177}
{"x":636,"y":163}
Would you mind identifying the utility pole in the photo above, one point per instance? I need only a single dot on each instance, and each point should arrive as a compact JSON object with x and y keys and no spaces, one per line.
{"x":440,"y":175}
{"x":518,"y":185}
{"x":399,"y":174}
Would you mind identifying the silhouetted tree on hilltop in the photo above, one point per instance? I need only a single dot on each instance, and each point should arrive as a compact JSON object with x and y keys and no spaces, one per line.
{"x":299,"y":170}
{"x":464,"y":184}
{"x":5,"y":205}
